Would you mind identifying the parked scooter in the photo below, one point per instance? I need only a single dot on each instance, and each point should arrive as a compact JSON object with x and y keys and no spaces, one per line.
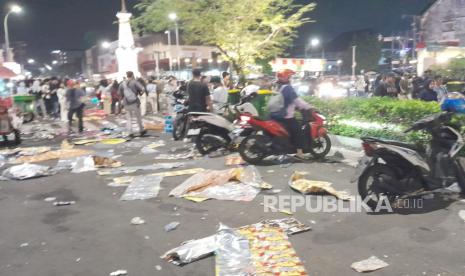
{"x":215,"y":131}
{"x":271,"y":138}
{"x":180,"y":121}
{"x":397,"y":170}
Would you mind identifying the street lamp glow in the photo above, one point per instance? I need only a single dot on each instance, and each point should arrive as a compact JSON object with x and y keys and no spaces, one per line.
{"x":220,"y":61}
{"x":16,"y":9}
{"x":210,"y":60}
{"x":314,"y":42}
{"x":339,"y":62}
{"x":199,"y":60}
{"x":173,"y":16}
{"x":106,"y":44}
{"x":167,"y":32}
{"x":187,"y":60}
{"x":55,"y":62}
{"x":31,"y":61}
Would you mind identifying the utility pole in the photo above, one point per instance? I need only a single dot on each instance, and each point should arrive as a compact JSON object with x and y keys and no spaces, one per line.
{"x":354,"y":62}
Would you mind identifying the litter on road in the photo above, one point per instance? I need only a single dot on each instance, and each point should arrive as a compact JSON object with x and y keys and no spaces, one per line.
{"x":119,"y":272}
{"x":142,"y":187}
{"x":137,"y":221}
{"x":305,"y":186}
{"x":171,"y":226}
{"x":25,"y":171}
{"x":133,"y":169}
{"x":51,"y":155}
{"x":371,"y":264}
{"x":462,"y":214}
{"x":64,"y":203}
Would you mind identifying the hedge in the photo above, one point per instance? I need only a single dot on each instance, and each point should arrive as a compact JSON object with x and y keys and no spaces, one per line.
{"x":378,"y":117}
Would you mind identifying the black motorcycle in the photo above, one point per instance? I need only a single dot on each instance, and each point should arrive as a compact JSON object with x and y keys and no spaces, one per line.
{"x":398,"y":170}
{"x":180,"y":123}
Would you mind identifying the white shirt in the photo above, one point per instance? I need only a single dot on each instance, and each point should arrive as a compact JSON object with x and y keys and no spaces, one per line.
{"x":220,"y":95}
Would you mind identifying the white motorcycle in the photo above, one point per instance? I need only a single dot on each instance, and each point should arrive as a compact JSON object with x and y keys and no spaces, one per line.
{"x":215,"y":131}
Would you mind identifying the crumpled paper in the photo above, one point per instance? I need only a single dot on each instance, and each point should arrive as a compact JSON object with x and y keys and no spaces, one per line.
{"x":142,"y":187}
{"x":371,"y":264}
{"x":233,"y":256}
{"x":289,"y":225}
{"x":125,"y":180}
{"x":83,"y":164}
{"x":305,"y":186}
{"x":105,"y":162}
{"x":241,"y":184}
{"x":25,"y":171}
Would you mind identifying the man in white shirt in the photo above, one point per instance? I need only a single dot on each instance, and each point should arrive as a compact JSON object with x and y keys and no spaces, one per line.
{"x":152,"y":96}
{"x":219,"y":94}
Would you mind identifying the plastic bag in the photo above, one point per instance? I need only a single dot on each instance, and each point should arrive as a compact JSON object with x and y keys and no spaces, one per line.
{"x":26,"y":171}
{"x":142,"y":187}
{"x":133,"y":169}
{"x":305,"y":186}
{"x":83,"y":164}
{"x":191,"y":251}
{"x":230,"y":191}
{"x":233,"y":256}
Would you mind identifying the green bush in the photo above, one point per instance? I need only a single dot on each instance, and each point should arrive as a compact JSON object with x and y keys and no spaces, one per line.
{"x":391,"y":116}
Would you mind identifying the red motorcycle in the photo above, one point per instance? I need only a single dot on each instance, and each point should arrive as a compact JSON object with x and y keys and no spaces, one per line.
{"x":271,"y":138}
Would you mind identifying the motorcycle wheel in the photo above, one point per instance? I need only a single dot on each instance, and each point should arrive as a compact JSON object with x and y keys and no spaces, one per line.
{"x":179,"y":127}
{"x":369,"y":184}
{"x":204,"y":147}
{"x":250,"y":150}
{"x":320,"y":147}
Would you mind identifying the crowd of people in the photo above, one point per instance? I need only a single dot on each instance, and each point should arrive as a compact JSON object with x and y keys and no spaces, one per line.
{"x":407,"y":86}
{"x":64,"y":99}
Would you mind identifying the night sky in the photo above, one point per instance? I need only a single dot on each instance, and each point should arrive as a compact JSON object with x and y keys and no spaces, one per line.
{"x":77,"y":24}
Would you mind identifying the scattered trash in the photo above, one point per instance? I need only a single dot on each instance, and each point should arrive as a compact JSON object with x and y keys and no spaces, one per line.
{"x":191,"y":251}
{"x":133,"y":169}
{"x":78,"y":260}
{"x":26,"y":171}
{"x":24,"y":244}
{"x":305,"y":186}
{"x":105,"y":162}
{"x":137,"y":221}
{"x":371,"y":264}
{"x":233,"y":256}
{"x":235,"y":159}
{"x":142,"y":187}
{"x":157,"y":267}
{"x":180,"y":172}
{"x":83,"y":164}
{"x":270,"y":171}
{"x":462,"y":214}
{"x":50,"y":155}
{"x":454,"y":188}
{"x":272,"y":253}
{"x":50,"y":199}
{"x":171,"y":226}
{"x":66,"y":145}
{"x":113,"y":141}
{"x":64,"y":203}
{"x":154,"y":126}
{"x":151,"y":148}
{"x":119,"y":272}
{"x":188,"y":155}
{"x":289,"y":225}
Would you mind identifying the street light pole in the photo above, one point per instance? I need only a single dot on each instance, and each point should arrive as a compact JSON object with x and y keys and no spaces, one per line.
{"x":168,"y":32}
{"x":14,"y":9}
{"x":177,"y":41}
{"x":354,"y":62}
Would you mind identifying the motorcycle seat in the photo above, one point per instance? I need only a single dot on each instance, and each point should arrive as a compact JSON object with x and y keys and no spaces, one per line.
{"x":394,"y":143}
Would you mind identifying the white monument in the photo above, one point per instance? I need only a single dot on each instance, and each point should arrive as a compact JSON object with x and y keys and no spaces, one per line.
{"x":126,"y":53}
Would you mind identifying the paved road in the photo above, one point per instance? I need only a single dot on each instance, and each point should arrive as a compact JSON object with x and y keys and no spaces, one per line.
{"x":95,"y":237}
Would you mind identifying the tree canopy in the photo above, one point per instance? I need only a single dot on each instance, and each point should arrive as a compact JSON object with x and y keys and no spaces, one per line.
{"x":243,"y":31}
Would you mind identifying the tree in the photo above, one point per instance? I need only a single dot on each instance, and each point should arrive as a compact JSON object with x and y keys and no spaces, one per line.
{"x":244,"y":31}
{"x":454,"y":69}
{"x":368,"y":52}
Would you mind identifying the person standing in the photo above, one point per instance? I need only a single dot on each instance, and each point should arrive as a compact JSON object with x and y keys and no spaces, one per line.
{"x":168,"y":90}
{"x":115,"y":98}
{"x":36,"y":90}
{"x":219,"y":94}
{"x":441,"y":88}
{"x":199,"y":94}
{"x":152,"y":95}
{"x":428,"y":94}
{"x":143,"y":98}
{"x":61,"y":93}
{"x":130,"y":90}
{"x":74,"y":96}
{"x":22,"y":89}
{"x":406,"y":87}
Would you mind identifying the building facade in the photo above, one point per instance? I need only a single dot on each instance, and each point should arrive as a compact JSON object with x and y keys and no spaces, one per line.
{"x":443,"y":22}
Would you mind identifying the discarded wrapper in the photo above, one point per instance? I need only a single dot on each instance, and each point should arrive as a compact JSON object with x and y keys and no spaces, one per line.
{"x":171,"y":226}
{"x":105,"y":162}
{"x":137,"y":221}
{"x":232,"y":160}
{"x":462,"y":214}
{"x":142,"y":187}
{"x":133,"y":169}
{"x":241,"y":184}
{"x":371,"y":264}
{"x":26,"y":171}
{"x":289,"y":225}
{"x":305,"y":186}
{"x":119,"y":272}
{"x":50,"y":155}
{"x":64,"y":203}
{"x":233,"y":255}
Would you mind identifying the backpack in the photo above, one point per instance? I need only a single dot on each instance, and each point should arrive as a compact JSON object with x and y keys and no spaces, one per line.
{"x":276,"y":105}
{"x":129,"y":95}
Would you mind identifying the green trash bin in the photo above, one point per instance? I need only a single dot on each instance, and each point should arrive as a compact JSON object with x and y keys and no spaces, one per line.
{"x":234,"y":96}
{"x":261,"y":101}
{"x":26,"y":104}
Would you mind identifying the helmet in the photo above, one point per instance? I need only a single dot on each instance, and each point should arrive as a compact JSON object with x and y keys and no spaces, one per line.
{"x":285,"y":74}
{"x":455,"y":102}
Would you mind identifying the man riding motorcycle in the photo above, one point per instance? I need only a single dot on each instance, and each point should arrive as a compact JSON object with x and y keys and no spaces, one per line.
{"x":282,"y":109}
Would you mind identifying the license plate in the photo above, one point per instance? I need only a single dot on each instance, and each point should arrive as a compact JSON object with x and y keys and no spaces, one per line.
{"x":363,"y":163}
{"x":193,"y":132}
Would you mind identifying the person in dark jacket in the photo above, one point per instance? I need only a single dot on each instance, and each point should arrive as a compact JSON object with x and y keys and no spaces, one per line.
{"x":428,"y":94}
